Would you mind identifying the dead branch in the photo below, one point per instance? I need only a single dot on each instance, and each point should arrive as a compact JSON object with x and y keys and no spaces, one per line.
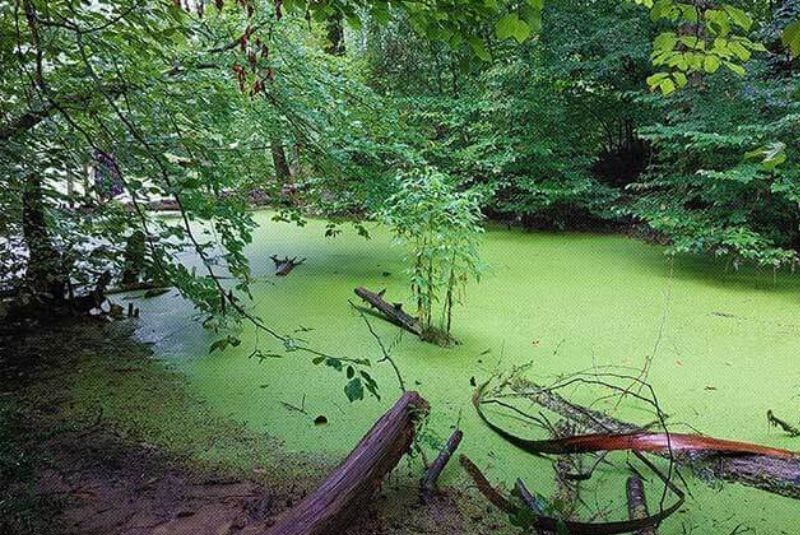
{"x":393,"y":312}
{"x":494,"y":496}
{"x":788,"y":428}
{"x":567,"y":486}
{"x":428,"y":483}
{"x":532,"y":503}
{"x":285,"y":265}
{"x":637,"y":503}
{"x":546,"y":524}
{"x":769,"y":469}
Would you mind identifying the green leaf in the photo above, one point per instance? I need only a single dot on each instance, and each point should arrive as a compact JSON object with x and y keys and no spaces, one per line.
{"x":711,"y":63}
{"x":479,"y":48}
{"x":667,"y":87}
{"x":656,"y":78}
{"x":772,"y":155}
{"x":791,"y":37}
{"x":354,"y":390}
{"x":734,"y":67}
{"x":739,"y":17}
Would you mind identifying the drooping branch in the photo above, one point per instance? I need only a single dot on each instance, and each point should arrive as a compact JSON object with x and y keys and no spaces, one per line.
{"x":22,"y":123}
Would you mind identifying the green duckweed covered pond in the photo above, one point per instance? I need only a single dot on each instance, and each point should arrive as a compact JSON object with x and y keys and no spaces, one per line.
{"x":725,"y":345}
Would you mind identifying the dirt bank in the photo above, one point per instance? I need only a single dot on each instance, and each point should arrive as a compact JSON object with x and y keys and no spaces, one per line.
{"x":98,"y":438}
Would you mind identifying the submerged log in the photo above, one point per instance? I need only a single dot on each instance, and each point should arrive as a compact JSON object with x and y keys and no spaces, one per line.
{"x":428,"y":483}
{"x":285,"y":265}
{"x":771,"y":470}
{"x":349,"y":488}
{"x":637,"y":503}
{"x":566,"y":467}
{"x":393,"y":312}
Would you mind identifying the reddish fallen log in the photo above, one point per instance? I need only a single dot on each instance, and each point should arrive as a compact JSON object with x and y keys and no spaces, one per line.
{"x":770,"y":469}
{"x":392,"y":311}
{"x":428,"y":484}
{"x":637,"y":503}
{"x":285,"y":265}
{"x":349,"y":488}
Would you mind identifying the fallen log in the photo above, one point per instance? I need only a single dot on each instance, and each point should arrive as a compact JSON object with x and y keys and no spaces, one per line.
{"x":284,"y":266}
{"x":770,"y":469}
{"x":637,"y":503}
{"x":428,"y":484}
{"x":393,"y":312}
{"x":347,"y":491}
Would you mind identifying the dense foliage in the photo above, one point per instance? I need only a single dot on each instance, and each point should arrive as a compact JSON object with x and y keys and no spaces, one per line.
{"x":439,"y":227}
{"x":677,"y":117}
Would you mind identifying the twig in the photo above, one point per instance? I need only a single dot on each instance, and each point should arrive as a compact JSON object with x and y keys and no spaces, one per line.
{"x":486,"y":488}
{"x":387,"y":357}
{"x":774,"y":421}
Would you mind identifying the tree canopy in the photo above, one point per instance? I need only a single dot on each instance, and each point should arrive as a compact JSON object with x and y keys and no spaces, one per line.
{"x":677,"y":119}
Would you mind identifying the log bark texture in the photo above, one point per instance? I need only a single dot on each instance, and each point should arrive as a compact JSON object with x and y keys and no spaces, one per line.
{"x":391,"y":311}
{"x":347,"y":491}
{"x":637,"y":503}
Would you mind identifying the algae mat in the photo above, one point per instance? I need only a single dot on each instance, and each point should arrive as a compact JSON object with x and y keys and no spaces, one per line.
{"x":724,"y":345}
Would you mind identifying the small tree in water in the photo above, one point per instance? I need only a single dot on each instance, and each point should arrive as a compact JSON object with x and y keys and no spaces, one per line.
{"x":440,"y":227}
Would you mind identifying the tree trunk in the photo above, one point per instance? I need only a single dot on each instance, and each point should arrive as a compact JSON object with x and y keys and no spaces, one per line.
{"x":283,"y":173}
{"x":392,"y":311}
{"x":335,"y":33}
{"x":134,"y":258}
{"x":45,"y":272}
{"x":348,"y":490}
